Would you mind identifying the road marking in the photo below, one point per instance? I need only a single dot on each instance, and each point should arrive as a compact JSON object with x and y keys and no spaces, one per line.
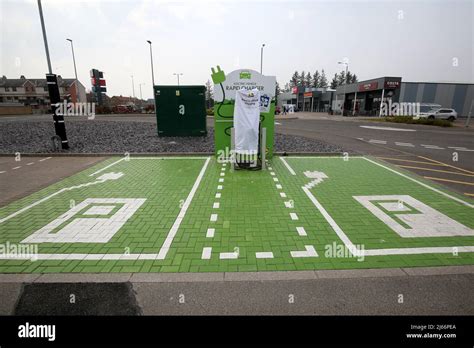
{"x":411,"y":161}
{"x":293,"y":216}
{"x":309,"y":252}
{"x":272,"y":173}
{"x":44,"y":159}
{"x":447,"y":165}
{"x":226,"y":256}
{"x":435,"y":170}
{"x":469,"y":194}
{"x":457,"y":148}
{"x":1,"y":172}
{"x":404,"y":144}
{"x":283,"y":194}
{"x":422,"y":184}
{"x":15,"y":168}
{"x":172,"y":233}
{"x":223,"y":174}
{"x":275,"y":179}
{"x":447,"y":180}
{"x":278,"y":186}
{"x":206,"y":253}
{"x":218,"y":195}
{"x":301,"y":231}
{"x":216,"y":205}
{"x":219,"y":187}
{"x":433,"y":147}
{"x":29,"y":164}
{"x":213,"y":217}
{"x":390,"y":128}
{"x":264,"y":255}
{"x":102,"y":169}
{"x":288,"y":204}
{"x":375,"y":141}
{"x":292,"y":172}
{"x":210,"y":232}
{"x":221,"y":179}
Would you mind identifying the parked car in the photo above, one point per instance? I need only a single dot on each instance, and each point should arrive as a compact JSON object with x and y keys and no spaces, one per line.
{"x":442,"y":114}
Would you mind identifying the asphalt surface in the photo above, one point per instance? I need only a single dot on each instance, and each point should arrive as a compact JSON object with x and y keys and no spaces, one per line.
{"x":443,"y":155}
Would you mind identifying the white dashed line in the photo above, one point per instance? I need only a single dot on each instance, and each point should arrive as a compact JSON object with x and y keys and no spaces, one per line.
{"x":275,"y":179}
{"x":219,"y":187}
{"x":433,"y":147}
{"x":210,"y":232}
{"x":283,"y":194}
{"x":301,"y":231}
{"x":223,"y":256}
{"x":278,"y":186}
{"x":216,"y":205}
{"x":1,"y":172}
{"x":206,"y":253}
{"x":272,"y":173}
{"x":221,"y":179}
{"x":459,"y":148}
{"x":222,"y":174}
{"x":309,"y":252}
{"x":288,"y":204}
{"x":404,"y":144}
{"x":29,"y":164}
{"x":218,"y":195}
{"x":16,"y":168}
{"x":264,"y":255}
{"x":293,"y":216}
{"x":374,"y":141}
{"x":213,"y":217}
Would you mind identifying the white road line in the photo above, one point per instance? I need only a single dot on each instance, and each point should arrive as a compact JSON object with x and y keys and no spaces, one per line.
{"x":434,"y":147}
{"x":283,"y":194}
{"x":272,"y":173}
{"x":301,"y":231}
{"x":171,"y":234}
{"x":264,"y":255}
{"x":219,"y":187}
{"x":390,"y":128}
{"x":210,"y":232}
{"x":44,"y":159}
{"x":222,"y":174}
{"x":216,"y":205}
{"x":404,"y":144}
{"x":292,"y":172}
{"x":3,"y":171}
{"x":15,"y":168}
{"x":275,"y":179}
{"x":293,"y":216}
{"x":213,"y":217}
{"x":206,"y":253}
{"x":411,"y":251}
{"x":270,"y":168}
{"x":288,"y":204}
{"x":221,"y":179}
{"x":309,"y":252}
{"x":457,"y":148}
{"x":374,"y":141}
{"x":224,"y":256}
{"x":29,"y":164}
{"x":110,"y":165}
{"x":422,"y":184}
{"x":218,"y":195}
{"x":278,"y":186}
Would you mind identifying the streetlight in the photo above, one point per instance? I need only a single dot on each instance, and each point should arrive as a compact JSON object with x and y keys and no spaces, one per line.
{"x":345,"y":83}
{"x":261,"y":58}
{"x":75,"y":70}
{"x":140,"y":85}
{"x":133,"y":86}
{"x":177,"y":74}
{"x":53,"y":89}
{"x":151,"y":59}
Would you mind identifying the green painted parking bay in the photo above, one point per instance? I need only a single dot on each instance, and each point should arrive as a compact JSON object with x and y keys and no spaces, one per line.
{"x":194,"y":214}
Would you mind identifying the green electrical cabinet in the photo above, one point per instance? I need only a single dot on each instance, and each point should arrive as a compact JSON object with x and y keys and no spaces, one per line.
{"x":180,"y":110}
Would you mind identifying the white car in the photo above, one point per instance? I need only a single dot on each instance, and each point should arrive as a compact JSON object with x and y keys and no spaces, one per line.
{"x":441,"y":113}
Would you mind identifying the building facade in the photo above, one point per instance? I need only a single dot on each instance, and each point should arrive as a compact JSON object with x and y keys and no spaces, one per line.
{"x":34,"y":92}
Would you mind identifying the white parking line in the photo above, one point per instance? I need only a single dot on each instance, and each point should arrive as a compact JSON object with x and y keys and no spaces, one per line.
{"x":206,"y":253}
{"x":278,"y":186}
{"x":172,"y":233}
{"x":433,"y":147}
{"x":309,"y":252}
{"x":223,"y":256}
{"x":216,"y":205}
{"x":404,"y":144}
{"x":288,"y":204}
{"x":213,"y":217}
{"x":458,"y":148}
{"x":1,"y":172}
{"x":301,"y":231}
{"x":292,"y":172}
{"x":29,"y":164}
{"x":264,"y":255}
{"x":293,"y":216}
{"x":218,"y":195}
{"x":210,"y":232}
{"x":221,"y":179}
{"x":283,"y":194}
{"x":47,"y":158}
{"x":219,"y":187}
{"x":275,"y":179}
{"x":374,"y":141}
{"x":16,"y":168}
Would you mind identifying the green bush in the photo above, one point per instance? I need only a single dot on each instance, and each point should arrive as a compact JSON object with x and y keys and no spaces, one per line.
{"x":426,"y":121}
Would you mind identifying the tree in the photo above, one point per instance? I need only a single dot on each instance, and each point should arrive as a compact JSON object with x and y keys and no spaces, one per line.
{"x":301,"y":79}
{"x":308,"y":80}
{"x":323,"y":81}
{"x":294,"y":79}
{"x":209,"y":95}
{"x":277,"y":92}
{"x":348,"y":78}
{"x":316,"y":82}
{"x":354,"y":79}
{"x":341,"y":78}
{"x":335,"y":82}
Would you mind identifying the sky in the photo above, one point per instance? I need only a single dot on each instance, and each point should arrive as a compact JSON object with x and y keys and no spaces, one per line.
{"x":428,"y":41}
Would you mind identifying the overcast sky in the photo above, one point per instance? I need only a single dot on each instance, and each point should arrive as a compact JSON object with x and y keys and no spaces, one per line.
{"x":417,"y":40}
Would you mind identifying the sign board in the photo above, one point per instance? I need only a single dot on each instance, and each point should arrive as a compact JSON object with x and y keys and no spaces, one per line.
{"x":368,"y":86}
{"x":392,"y":84}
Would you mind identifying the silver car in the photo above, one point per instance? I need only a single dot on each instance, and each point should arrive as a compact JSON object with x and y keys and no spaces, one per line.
{"x":441,"y":113}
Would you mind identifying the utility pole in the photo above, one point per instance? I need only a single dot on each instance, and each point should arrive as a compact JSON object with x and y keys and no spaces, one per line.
{"x":177,"y":75}
{"x":133,"y":87}
{"x":53,"y":89}
{"x":75,"y":70}
{"x":261,"y":58}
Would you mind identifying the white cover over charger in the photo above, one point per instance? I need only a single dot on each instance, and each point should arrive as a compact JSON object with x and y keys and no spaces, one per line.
{"x":246,"y":121}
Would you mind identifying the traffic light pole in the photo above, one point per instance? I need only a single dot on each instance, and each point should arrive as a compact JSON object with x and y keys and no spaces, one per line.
{"x":53,"y":89}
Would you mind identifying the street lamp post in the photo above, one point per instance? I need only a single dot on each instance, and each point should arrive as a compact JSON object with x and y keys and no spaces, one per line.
{"x":140,"y":85}
{"x":345,"y":83}
{"x":177,"y":75}
{"x":261,"y":58}
{"x":133,"y":86}
{"x":53,"y":89}
{"x":75,"y":70}
{"x":151,"y":59}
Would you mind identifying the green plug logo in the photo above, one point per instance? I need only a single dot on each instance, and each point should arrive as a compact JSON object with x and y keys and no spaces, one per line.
{"x":219,"y":76}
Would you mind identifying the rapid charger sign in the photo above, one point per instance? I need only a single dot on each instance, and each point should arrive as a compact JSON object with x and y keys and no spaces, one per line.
{"x":248,"y":79}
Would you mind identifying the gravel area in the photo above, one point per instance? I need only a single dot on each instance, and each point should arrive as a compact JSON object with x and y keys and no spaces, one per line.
{"x":123,"y":136}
